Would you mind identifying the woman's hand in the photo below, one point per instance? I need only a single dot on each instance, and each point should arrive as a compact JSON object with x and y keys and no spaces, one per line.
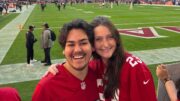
{"x":162,"y":72}
{"x":52,"y":69}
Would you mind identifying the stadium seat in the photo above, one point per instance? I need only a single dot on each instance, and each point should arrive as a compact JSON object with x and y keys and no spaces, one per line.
{"x":174,"y":71}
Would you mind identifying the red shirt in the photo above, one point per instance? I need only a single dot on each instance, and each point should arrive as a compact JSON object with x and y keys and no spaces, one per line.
{"x":136,"y":80}
{"x":9,"y":94}
{"x":66,"y":87}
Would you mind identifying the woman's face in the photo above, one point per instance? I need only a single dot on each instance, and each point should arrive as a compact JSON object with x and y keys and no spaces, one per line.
{"x":104,"y":42}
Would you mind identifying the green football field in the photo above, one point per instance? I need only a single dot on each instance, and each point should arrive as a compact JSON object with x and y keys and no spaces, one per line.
{"x":121,"y":16}
{"x":6,"y":18}
{"x":140,"y":16}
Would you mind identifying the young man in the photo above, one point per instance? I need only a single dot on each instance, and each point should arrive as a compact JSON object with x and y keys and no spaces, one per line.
{"x":74,"y":80}
{"x":30,"y":40}
{"x":46,"y":44}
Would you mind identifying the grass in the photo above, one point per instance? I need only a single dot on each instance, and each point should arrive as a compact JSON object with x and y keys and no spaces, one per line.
{"x":121,"y":16}
{"x":5,"y":19}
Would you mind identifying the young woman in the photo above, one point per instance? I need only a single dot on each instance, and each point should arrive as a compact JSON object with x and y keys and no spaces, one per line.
{"x":124,"y":76}
{"x":173,"y":92}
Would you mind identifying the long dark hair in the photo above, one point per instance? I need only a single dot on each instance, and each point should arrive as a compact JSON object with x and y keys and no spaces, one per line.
{"x":178,"y":88}
{"x":115,"y":62}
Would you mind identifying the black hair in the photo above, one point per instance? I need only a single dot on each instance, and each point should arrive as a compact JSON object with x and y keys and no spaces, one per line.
{"x":31,"y":27}
{"x":75,"y":24}
{"x":178,"y":88}
{"x":115,"y":62}
{"x":46,"y":25}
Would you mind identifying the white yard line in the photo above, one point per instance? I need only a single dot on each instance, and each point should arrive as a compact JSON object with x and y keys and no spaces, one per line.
{"x":149,"y":23}
{"x":11,"y":31}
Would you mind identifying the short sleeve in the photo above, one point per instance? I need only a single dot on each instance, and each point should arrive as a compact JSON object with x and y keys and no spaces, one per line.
{"x":141,"y":81}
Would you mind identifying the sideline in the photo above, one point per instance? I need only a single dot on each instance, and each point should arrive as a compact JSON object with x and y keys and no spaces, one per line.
{"x":19,"y":72}
{"x":9,"y":32}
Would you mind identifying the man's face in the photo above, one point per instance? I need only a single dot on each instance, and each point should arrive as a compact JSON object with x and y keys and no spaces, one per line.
{"x":77,"y":50}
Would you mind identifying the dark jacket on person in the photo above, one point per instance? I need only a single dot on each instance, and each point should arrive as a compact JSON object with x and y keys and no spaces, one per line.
{"x":30,"y":39}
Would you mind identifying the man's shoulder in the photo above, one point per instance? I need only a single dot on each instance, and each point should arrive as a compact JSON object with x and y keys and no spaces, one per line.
{"x":46,"y":79}
{"x":28,"y":32}
{"x":47,"y":31}
{"x":50,"y":78}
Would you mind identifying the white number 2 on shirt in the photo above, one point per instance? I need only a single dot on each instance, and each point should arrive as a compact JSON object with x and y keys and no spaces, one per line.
{"x":132,"y":61}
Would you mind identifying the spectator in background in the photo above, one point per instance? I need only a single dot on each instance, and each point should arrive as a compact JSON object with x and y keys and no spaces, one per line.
{"x":43,"y":5}
{"x":19,"y":6}
{"x":162,"y":74}
{"x":63,"y":3}
{"x":30,"y":40}
{"x":5,"y":6}
{"x":46,"y":44}
{"x":1,"y":8}
{"x":59,"y":6}
{"x":9,"y":94}
{"x":71,"y":2}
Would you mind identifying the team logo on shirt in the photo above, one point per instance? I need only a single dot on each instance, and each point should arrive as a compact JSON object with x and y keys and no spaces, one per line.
{"x":145,"y":82}
{"x":100,"y":87}
{"x":83,"y":85}
{"x":101,"y":96}
{"x":99,"y":82}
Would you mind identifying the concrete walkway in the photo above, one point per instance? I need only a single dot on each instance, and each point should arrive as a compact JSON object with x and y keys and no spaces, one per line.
{"x":157,"y":56}
{"x":20,"y":72}
{"x":9,"y":33}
